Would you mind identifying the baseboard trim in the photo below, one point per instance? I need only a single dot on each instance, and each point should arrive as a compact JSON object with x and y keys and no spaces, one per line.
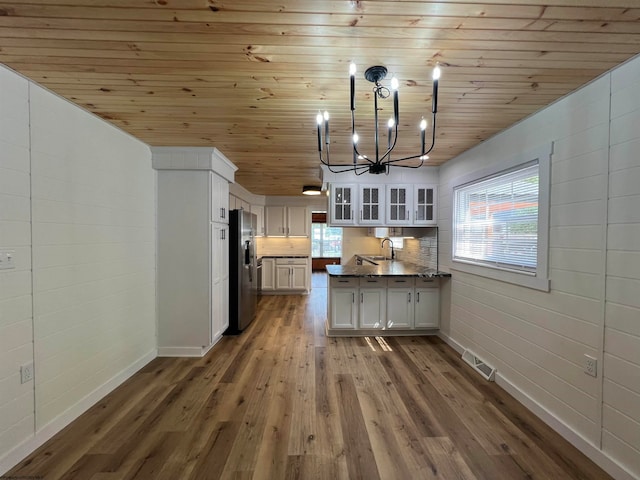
{"x":187,"y":351}
{"x":451,"y":342}
{"x":180,"y":351}
{"x":21,"y":451}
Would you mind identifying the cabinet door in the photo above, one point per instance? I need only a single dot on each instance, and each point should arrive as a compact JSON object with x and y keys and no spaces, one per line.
{"x":398,"y":205}
{"x":219,"y":320}
{"x":400,"y":308}
{"x":344,"y":307}
{"x":219,"y":198}
{"x":223,"y":251}
{"x":283,"y":277}
{"x":298,"y":222}
{"x":371,"y":205}
{"x":299,"y":277}
{"x":373,"y":307}
{"x":259,"y":211}
{"x":268,"y":274}
{"x":425,"y":205}
{"x":427,"y":308}
{"x":275,"y":221}
{"x":342,"y":204}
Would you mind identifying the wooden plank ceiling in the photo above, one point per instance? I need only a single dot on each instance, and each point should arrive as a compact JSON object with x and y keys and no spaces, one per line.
{"x":248,"y":76}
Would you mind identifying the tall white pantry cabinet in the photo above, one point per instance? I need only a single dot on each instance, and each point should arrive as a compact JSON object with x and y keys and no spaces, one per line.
{"x":193,"y":248}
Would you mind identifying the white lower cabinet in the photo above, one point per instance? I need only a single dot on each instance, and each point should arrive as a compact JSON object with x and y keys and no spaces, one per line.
{"x":373,"y":303}
{"x":427,"y":303}
{"x":400,"y":303}
{"x":365,"y":303}
{"x":268,"y":280}
{"x":285,"y":274}
{"x":343,"y":303}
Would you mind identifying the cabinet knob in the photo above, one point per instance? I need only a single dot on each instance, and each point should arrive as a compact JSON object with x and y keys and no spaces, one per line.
{"x":409,"y":297}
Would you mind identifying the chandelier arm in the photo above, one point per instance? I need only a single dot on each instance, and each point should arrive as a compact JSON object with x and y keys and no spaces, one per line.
{"x":345,"y":169}
{"x":330,"y":167}
{"x":426,"y":152}
{"x":433,"y":135}
{"x":362,"y":157}
{"x":393,"y":145}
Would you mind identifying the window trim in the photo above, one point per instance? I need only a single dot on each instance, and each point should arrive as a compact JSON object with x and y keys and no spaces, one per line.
{"x":539,"y":280}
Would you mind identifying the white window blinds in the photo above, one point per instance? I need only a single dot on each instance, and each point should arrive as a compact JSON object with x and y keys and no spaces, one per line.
{"x":496,"y":220}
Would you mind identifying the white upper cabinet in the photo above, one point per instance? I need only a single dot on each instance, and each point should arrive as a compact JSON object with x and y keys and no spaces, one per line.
{"x":298,"y":220}
{"x":219,"y":198}
{"x":276,"y":221}
{"x":371,"y":205}
{"x":399,"y":205}
{"x":424,"y":200}
{"x":284,"y":221}
{"x":259,"y":212}
{"x":342,"y":204}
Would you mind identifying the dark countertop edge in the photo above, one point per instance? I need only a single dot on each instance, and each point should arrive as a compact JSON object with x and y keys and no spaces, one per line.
{"x":414,"y":275}
{"x":412,"y":270}
{"x":284,"y":256}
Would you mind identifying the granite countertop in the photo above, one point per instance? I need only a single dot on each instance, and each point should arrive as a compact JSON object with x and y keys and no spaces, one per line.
{"x":284,"y":256}
{"x":384,"y":268}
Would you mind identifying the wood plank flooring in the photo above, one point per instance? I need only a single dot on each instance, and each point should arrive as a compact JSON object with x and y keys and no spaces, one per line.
{"x":282,"y":401}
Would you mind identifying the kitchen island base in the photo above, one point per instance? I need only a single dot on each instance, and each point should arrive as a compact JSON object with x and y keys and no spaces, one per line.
{"x":391,"y":298}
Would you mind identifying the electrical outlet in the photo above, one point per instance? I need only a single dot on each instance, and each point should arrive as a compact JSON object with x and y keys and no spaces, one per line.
{"x":26,"y":373}
{"x":6,"y":259}
{"x":590,"y":365}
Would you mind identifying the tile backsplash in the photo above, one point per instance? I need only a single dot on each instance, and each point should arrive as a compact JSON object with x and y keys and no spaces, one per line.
{"x":421,"y":250}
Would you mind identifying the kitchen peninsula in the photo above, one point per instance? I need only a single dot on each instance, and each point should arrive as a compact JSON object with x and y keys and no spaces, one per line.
{"x":383,"y":297}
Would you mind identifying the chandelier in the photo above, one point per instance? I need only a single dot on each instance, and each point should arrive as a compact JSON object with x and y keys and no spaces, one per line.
{"x":381,"y":161}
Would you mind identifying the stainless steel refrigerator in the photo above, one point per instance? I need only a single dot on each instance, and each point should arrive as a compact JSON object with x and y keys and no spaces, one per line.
{"x":243,"y":278}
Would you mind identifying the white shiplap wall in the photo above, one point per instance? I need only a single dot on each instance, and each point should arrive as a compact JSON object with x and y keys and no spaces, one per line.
{"x":77,"y":204}
{"x":16,"y":344}
{"x":537,"y":340}
{"x":93,"y":250}
{"x":621,"y":409}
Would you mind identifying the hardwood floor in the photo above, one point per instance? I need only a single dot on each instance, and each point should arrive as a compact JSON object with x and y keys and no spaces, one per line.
{"x":282,"y":401}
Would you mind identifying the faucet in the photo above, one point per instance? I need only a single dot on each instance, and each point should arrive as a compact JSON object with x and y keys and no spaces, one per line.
{"x":393,"y":254}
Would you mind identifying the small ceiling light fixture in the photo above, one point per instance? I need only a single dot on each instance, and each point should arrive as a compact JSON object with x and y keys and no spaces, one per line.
{"x":311,"y":190}
{"x":381,"y":162}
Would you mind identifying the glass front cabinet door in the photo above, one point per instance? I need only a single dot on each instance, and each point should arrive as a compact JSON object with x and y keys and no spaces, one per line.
{"x":371,"y":204}
{"x":425,"y":205}
{"x":343,"y":203}
{"x":398,"y":205}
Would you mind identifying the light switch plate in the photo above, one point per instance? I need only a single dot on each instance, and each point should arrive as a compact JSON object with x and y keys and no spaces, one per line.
{"x":7,"y":261}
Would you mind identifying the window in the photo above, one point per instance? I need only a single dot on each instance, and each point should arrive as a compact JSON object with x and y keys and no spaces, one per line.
{"x":500,"y":223}
{"x":326,"y":241}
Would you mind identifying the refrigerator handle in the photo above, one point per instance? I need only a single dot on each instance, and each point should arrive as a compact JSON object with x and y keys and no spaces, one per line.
{"x":247,"y":250}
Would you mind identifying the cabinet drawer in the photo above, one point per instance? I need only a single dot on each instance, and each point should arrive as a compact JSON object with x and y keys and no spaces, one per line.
{"x":373,"y":282}
{"x":291,"y":261}
{"x":339,"y":282}
{"x":427,"y":282}
{"x":401,"y":282}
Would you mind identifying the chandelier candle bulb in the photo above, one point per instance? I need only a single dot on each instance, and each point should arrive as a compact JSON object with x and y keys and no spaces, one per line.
{"x":390,"y":125}
{"x":434,"y":98}
{"x":319,"y":122}
{"x":326,"y":127}
{"x":352,"y":75}
{"x":423,"y":127}
{"x":394,"y":87}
